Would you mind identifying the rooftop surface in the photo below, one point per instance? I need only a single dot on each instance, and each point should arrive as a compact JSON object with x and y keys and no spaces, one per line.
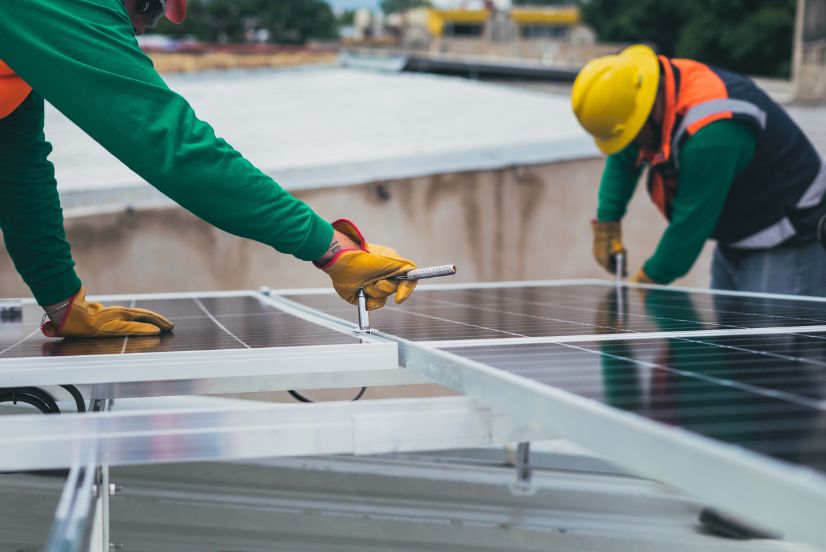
{"x":326,"y":126}
{"x":323,"y":127}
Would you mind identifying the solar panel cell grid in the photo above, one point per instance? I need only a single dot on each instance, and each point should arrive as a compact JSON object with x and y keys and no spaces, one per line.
{"x":543,"y":311}
{"x":208,"y":323}
{"x":765,"y":393}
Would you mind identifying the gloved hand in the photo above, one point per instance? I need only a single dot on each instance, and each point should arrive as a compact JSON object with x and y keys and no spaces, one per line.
{"x":84,"y":319}
{"x":370,"y":267}
{"x":608,"y":243}
{"x":641,"y":278}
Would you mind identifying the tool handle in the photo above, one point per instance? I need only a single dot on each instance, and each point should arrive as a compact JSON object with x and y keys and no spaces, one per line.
{"x":429,"y":272}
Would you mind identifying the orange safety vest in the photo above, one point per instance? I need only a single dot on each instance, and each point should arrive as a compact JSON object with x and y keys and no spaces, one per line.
{"x":698,"y":84}
{"x":13,"y":90}
{"x":778,"y":195}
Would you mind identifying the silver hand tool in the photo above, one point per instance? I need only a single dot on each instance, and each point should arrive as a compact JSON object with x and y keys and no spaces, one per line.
{"x":416,"y":274}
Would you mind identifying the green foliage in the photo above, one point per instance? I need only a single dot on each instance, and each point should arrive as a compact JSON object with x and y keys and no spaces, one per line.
{"x":749,"y":36}
{"x":288,"y":21}
{"x":347,"y":17}
{"x":393,"y":6}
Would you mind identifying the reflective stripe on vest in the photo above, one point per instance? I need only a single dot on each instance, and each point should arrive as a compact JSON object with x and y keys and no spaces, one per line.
{"x":714,"y":107}
{"x":782,"y":230}
{"x":13,"y":90}
{"x":769,"y":237}
{"x":814,"y":194}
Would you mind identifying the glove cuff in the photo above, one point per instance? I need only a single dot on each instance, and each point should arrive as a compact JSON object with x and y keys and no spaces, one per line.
{"x":47,"y":326}
{"x":349,"y":229}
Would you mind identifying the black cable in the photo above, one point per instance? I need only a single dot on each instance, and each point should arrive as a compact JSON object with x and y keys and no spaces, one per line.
{"x":32,"y":396}
{"x":80,"y":402}
{"x":301,"y":398}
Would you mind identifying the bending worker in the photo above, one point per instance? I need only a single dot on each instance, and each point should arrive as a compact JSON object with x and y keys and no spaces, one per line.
{"x":82,"y":56}
{"x":724,"y":162}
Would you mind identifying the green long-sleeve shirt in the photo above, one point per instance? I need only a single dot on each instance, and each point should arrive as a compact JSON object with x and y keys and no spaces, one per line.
{"x":709,"y":162}
{"x":82,"y":57}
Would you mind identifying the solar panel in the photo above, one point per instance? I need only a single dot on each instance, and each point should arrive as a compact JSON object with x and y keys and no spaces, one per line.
{"x":688,"y":387}
{"x":546,"y":311}
{"x":201,"y":324}
{"x":766,"y":393}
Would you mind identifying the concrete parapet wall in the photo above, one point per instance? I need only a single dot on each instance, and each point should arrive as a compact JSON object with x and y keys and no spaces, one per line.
{"x":810,"y":51}
{"x":512,"y":224}
{"x":548,"y":51}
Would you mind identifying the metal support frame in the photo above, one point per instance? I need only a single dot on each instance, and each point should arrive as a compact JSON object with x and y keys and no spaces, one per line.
{"x":75,"y":517}
{"x":766,"y":491}
{"x":791,"y":499}
{"x":260,"y":430}
{"x":780,"y":496}
{"x":213,"y":372}
{"x":82,"y":519}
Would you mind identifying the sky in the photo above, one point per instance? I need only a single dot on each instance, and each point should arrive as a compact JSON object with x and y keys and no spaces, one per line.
{"x":354,"y":4}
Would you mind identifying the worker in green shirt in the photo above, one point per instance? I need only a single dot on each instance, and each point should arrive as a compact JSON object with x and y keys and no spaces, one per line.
{"x":82,"y":56}
{"x":724,"y":162}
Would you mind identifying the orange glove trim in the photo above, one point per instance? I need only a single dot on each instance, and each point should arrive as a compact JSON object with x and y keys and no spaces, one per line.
{"x":48,"y":328}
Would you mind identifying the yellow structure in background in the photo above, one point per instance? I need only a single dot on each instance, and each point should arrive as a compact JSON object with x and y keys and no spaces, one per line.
{"x":438,"y":20}
{"x":557,"y":17}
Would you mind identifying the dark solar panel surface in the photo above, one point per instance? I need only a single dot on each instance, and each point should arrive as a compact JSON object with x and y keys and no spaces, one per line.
{"x":539,"y":311}
{"x":766,"y":393}
{"x":207,"y":323}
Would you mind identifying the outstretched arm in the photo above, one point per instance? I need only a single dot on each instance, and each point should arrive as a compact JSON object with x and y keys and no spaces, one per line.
{"x":30,"y":213}
{"x":82,"y":56}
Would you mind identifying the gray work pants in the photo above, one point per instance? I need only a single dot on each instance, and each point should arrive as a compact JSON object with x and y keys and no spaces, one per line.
{"x":794,"y":270}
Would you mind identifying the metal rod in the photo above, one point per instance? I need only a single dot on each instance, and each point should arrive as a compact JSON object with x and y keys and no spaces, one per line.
{"x":428,"y":272}
{"x":364,"y":315}
{"x":619,"y":260}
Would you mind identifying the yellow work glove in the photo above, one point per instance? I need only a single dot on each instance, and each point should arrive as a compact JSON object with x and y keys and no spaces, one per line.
{"x":371,"y":267}
{"x":607,"y":244}
{"x":641,"y":278}
{"x":85,"y":319}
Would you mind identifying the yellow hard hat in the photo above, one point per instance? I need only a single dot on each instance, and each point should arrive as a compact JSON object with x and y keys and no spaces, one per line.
{"x":613,"y":96}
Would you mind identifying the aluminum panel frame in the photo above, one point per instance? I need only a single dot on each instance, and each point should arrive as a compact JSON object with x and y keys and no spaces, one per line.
{"x":259,"y":430}
{"x":210,"y":372}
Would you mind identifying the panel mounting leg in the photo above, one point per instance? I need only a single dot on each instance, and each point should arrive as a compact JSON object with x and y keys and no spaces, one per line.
{"x":523,"y":485}
{"x":100,"y":541}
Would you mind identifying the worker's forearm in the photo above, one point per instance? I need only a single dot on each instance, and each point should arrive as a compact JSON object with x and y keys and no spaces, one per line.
{"x":83,"y":58}
{"x":619,"y":180}
{"x":709,"y":161}
{"x":30,"y":213}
